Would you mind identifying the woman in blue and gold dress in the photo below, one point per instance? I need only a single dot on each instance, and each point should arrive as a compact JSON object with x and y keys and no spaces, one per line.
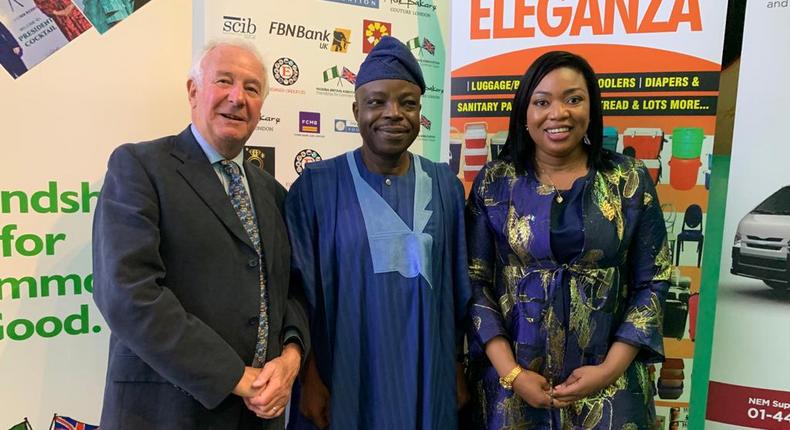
{"x":569,"y":266}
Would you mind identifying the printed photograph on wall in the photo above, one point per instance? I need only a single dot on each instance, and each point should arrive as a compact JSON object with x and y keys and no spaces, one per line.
{"x":32,"y":30}
{"x":106,"y":14}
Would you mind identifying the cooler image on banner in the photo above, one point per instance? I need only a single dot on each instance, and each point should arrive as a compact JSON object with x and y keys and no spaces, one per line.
{"x":749,"y":384}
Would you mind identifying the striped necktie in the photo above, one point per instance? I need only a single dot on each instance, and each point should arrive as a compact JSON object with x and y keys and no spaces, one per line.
{"x":242,"y":204}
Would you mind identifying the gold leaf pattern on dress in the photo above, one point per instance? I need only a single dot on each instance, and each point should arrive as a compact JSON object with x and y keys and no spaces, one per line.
{"x":643,"y":379}
{"x":663,"y":263}
{"x":512,"y":276}
{"x":511,"y":409}
{"x":480,"y":270}
{"x":631,"y":183}
{"x":606,"y":195}
{"x":555,"y":348}
{"x":647,"y":199}
{"x":495,"y":171}
{"x":594,"y":416}
{"x":591,"y":257}
{"x":545,"y":190}
{"x":647,"y":317}
{"x":535,"y":364}
{"x":591,"y":410}
{"x":630,"y":426}
{"x":518,"y":231}
{"x":580,"y":321}
{"x":477,"y":321}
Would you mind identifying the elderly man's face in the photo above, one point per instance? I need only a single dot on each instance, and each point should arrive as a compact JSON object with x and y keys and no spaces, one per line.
{"x":226,"y":103}
{"x":388,"y":113}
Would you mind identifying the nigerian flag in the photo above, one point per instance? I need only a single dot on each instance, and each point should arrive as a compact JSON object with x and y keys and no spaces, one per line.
{"x":331,"y":73}
{"x":413,"y":43}
{"x":24,"y":425}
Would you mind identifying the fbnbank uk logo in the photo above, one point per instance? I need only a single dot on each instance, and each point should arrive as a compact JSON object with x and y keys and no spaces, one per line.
{"x":309,"y":122}
{"x":364,"y":3}
{"x":238,"y":25}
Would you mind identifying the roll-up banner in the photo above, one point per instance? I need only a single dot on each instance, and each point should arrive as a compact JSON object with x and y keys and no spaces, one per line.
{"x":313,"y":50}
{"x":658,"y":65}
{"x":59,"y":122}
{"x":749,"y":379}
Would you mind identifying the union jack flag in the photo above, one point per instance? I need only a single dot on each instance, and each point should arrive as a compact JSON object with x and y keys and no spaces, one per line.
{"x":428,"y":46}
{"x":60,"y":422}
{"x":425,"y":122}
{"x":349,"y":76}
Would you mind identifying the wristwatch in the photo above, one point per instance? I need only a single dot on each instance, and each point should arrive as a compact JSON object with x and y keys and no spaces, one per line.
{"x":507,"y":381}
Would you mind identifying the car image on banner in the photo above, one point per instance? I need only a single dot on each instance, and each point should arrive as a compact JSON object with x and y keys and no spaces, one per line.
{"x":762,"y":242}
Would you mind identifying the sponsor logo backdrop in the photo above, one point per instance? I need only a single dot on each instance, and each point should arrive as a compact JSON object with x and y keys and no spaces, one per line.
{"x":313,"y":51}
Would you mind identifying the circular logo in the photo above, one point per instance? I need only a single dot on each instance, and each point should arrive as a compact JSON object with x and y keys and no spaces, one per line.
{"x":285,"y":71}
{"x":340,"y":125}
{"x":256,"y":157}
{"x":305,"y":157}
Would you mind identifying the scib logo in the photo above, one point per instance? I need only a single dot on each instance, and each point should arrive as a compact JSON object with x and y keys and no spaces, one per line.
{"x":238,"y":26}
{"x":372,"y":32}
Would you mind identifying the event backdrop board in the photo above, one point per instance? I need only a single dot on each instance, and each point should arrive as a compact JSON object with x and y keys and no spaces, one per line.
{"x":312,"y":60}
{"x":658,"y":65}
{"x":749,"y":383}
{"x":59,"y":123}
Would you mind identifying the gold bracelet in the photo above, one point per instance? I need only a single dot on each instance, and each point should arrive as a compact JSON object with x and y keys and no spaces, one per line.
{"x":507,"y":381}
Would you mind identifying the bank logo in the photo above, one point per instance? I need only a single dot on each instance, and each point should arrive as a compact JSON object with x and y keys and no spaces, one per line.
{"x":309,"y":122}
{"x":261,"y":156}
{"x":336,"y":40}
{"x":305,"y":157}
{"x":341,"y":38}
{"x":372,"y":32}
{"x":374,"y":4}
{"x":285,"y":71}
{"x":423,"y":45}
{"x":425,"y":122}
{"x":346,"y":126}
{"x":239,"y":26}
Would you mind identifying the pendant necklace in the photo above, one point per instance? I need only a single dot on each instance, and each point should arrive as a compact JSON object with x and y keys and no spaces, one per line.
{"x":558,"y":198}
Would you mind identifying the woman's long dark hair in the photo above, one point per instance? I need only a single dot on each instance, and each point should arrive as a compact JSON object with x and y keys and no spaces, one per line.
{"x":519,"y":147}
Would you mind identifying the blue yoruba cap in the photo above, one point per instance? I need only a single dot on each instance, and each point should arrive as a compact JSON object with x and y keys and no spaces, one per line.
{"x":390,"y":59}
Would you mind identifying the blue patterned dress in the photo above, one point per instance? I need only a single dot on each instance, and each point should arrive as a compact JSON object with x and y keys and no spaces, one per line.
{"x":559,"y":316}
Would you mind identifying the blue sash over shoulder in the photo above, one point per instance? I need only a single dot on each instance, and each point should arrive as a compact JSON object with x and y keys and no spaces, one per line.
{"x":393,"y":246}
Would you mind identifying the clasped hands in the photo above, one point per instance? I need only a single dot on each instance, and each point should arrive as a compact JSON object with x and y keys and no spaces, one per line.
{"x":534,"y":389}
{"x":267,"y":390}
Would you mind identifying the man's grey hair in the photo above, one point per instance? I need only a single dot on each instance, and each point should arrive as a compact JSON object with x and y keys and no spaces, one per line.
{"x":196,"y":71}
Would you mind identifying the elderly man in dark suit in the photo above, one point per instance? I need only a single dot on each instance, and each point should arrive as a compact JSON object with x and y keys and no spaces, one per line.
{"x":191,"y":267}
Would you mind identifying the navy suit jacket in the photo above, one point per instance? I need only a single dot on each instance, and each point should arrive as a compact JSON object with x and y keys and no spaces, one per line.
{"x":176,"y":279}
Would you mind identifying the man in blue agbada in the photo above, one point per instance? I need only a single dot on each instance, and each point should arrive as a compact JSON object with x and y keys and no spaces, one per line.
{"x":378,"y":244}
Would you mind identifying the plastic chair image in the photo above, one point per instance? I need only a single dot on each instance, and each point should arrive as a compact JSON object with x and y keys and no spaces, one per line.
{"x":692,"y":232}
{"x":670,"y":216}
